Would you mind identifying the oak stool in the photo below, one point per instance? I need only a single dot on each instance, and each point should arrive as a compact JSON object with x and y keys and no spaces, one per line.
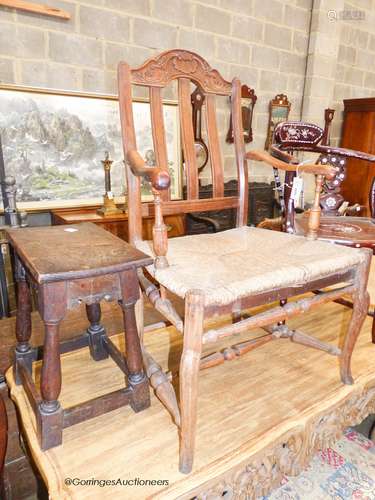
{"x":66,"y":266}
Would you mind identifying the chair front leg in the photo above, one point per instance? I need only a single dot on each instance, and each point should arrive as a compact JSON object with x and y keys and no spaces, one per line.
{"x":189,"y":372}
{"x":361,"y":301}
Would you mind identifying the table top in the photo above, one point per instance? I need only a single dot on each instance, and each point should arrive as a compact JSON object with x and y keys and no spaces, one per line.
{"x":345,"y":230}
{"x":59,"y":253}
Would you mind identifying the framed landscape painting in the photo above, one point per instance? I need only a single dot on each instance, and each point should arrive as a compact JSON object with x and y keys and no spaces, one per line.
{"x":53,"y":144}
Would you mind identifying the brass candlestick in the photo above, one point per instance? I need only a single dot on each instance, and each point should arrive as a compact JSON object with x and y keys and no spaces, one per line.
{"x":109,"y":205}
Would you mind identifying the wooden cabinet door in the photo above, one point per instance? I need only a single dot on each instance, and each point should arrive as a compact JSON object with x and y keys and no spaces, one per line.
{"x":359,"y":134}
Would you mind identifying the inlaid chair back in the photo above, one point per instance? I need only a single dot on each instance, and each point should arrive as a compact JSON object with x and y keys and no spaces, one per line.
{"x":293,"y":136}
{"x":156,"y":74}
{"x":297,"y":135}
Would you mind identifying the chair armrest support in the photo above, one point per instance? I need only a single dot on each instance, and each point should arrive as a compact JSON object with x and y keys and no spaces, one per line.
{"x":160,"y":180}
{"x":325,"y":170}
{"x":158,"y":177}
{"x":320,"y":171}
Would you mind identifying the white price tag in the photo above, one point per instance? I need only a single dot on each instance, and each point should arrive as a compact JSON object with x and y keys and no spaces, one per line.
{"x":297,"y":188}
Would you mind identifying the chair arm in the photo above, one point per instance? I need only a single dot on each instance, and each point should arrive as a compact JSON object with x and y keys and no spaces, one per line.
{"x":283,"y":155}
{"x":158,"y":177}
{"x":346,"y":153}
{"x":326,"y":170}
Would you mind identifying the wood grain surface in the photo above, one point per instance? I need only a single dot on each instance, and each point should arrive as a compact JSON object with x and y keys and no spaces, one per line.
{"x":259,"y":417}
{"x":74,"y":251}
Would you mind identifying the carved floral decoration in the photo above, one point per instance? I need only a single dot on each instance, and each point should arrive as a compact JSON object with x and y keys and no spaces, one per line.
{"x":292,"y":453}
{"x":159,"y":71}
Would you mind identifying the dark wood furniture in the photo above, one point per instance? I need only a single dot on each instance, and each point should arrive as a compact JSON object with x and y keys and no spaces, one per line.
{"x":232,"y":270}
{"x":298,"y":136}
{"x":359,"y":133}
{"x":357,"y":232}
{"x":118,"y":224}
{"x":74,"y":326}
{"x":261,"y":205}
{"x":68,"y":266}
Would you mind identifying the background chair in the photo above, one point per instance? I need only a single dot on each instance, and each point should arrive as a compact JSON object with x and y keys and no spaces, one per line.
{"x":357,"y":232}
{"x":229,"y":271}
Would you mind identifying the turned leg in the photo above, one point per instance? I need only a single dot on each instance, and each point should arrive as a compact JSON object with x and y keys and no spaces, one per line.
{"x":50,"y":412}
{"x":189,"y":372}
{"x":95,"y":332}
{"x":23,"y":349}
{"x":361,"y":301}
{"x":137,"y":379}
{"x":52,"y":308}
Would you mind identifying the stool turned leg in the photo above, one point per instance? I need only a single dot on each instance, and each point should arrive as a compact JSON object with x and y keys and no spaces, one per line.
{"x":23,"y":350}
{"x":95,"y":332}
{"x":51,"y":413}
{"x":52,"y":308}
{"x":136,"y":376}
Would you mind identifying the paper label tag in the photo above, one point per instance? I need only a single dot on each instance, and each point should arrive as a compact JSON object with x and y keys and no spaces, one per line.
{"x":110,"y":195}
{"x":297,"y":188}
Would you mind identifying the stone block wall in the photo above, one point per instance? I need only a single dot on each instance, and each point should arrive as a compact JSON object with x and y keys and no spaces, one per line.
{"x":297,"y":47}
{"x":262,"y":42}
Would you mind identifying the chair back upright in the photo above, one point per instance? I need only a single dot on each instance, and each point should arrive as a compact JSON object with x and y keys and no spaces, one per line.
{"x":156,"y":73}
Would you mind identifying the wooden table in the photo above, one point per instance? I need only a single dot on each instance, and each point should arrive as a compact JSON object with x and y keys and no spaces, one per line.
{"x":118,"y":224}
{"x":68,"y":266}
{"x":263,"y":419}
{"x":74,"y":326}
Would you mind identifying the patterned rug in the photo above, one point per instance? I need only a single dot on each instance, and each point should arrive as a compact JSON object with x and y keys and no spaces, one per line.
{"x":345,"y":471}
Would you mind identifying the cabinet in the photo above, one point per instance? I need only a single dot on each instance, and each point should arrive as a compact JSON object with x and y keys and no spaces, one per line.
{"x":359,"y":133}
{"x":261,"y":205}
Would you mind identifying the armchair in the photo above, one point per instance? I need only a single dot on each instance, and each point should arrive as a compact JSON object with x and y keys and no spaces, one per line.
{"x":355,"y":231}
{"x":233,"y":270}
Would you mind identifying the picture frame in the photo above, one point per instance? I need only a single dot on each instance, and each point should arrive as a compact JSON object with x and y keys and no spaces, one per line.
{"x":278,"y":112}
{"x":54,"y":143}
{"x":248,"y":101}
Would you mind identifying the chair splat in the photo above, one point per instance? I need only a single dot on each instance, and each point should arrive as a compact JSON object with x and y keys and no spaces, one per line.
{"x":187,"y":136}
{"x":214,"y":147}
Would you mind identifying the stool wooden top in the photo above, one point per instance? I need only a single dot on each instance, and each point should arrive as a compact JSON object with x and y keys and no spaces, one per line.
{"x":60,"y":253}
